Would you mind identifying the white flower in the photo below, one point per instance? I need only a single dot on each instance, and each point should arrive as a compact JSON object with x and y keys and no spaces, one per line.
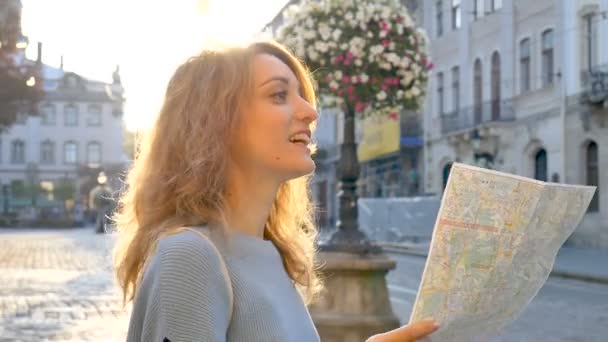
{"x":382,"y":34}
{"x":358,"y":62}
{"x":407,"y":78}
{"x":300,"y":50}
{"x":400,"y":29}
{"x":364,"y":78}
{"x":376,"y":49}
{"x":400,"y":94}
{"x":349,"y":16}
{"x":344,"y":46}
{"x":334,"y":85}
{"x":309,"y":22}
{"x":408,"y":94}
{"x":338,"y":75}
{"x":386,"y":13}
{"x":385,"y":66}
{"x":353,"y":80}
{"x":381,"y":96}
{"x":313,"y":55}
{"x":325,"y":31}
{"x":310,"y":34}
{"x":360,"y":16}
{"x":332,"y":21}
{"x":415,"y":91}
{"x":370,"y":34}
{"x":321,"y":46}
{"x":336,"y":34}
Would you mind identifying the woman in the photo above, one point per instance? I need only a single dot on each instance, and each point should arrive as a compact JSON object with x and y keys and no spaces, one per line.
{"x":216,"y":225}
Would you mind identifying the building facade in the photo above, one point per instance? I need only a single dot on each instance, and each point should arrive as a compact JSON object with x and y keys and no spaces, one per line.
{"x":77,"y":133}
{"x":521,"y":86}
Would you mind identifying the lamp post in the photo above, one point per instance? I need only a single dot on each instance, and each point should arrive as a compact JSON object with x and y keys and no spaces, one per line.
{"x":348,"y":237}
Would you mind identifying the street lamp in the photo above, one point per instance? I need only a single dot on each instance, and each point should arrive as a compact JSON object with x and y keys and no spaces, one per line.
{"x":101,"y":178}
{"x":348,"y":237}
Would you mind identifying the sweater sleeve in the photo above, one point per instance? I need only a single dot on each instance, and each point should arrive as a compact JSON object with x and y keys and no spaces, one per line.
{"x":185,"y":294}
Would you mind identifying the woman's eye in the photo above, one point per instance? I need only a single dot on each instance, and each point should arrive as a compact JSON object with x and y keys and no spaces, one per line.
{"x":280,"y":96}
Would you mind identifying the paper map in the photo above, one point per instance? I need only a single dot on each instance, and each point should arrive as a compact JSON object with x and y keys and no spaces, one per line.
{"x":493,"y":246}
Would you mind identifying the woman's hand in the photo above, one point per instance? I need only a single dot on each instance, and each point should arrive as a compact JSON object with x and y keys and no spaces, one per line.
{"x":417,"y":331}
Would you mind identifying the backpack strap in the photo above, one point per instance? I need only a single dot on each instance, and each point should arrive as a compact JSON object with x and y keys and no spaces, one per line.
{"x":223,"y":262}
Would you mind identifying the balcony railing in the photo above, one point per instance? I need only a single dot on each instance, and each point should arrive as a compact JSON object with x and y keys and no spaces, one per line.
{"x":473,"y":116}
{"x":595,"y":84}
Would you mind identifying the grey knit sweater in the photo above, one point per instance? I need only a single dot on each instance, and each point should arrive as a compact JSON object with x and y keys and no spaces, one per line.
{"x":208,"y":288}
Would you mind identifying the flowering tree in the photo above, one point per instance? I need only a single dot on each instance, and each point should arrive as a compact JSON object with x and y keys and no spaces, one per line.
{"x":367,"y":56}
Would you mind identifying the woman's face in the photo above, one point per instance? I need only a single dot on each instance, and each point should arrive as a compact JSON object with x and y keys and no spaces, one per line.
{"x":274,"y":135}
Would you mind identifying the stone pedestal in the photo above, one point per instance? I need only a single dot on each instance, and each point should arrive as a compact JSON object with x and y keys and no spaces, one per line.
{"x":355,"y":303}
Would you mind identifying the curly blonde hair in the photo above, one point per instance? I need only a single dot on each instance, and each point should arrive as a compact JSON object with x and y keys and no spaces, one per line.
{"x":176,"y":179}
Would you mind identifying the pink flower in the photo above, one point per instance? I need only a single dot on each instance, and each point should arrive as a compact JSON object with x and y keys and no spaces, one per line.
{"x":339,"y":59}
{"x":328,"y":78}
{"x":384,"y":25}
{"x":374,"y":80}
{"x":394,"y":116}
{"x":395,"y":81}
{"x":356,"y":79}
{"x":340,"y":92}
{"x":359,"y":107}
{"x":399,"y":19}
{"x":347,"y":62}
{"x":345,"y":79}
{"x":350,"y":89}
{"x":384,"y":87}
{"x":386,"y":42}
{"x":349,"y":55}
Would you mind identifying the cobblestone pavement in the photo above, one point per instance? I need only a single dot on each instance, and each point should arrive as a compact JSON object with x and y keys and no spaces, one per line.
{"x":58,"y":286}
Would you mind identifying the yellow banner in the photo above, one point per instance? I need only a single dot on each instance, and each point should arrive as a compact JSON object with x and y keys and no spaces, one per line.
{"x":381,"y":135}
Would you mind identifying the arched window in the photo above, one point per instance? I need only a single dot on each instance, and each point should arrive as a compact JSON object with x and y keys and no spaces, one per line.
{"x":47,"y":152}
{"x":446,"y":173}
{"x":49,"y":116}
{"x":495,"y":85}
{"x":18,"y":152}
{"x":540,"y":165}
{"x":477,"y":90}
{"x":70,"y":152}
{"x":70,"y":115}
{"x":592,"y":173}
{"x":94,"y":153}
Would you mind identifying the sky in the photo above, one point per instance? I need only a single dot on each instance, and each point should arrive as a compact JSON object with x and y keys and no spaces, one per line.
{"x":148,"y":39}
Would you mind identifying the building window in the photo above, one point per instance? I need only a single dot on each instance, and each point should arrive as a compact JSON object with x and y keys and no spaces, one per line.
{"x":456,"y":89}
{"x":70,"y":113}
{"x":70,"y":152}
{"x":589,"y":42}
{"x":446,"y":174}
{"x":479,"y":9}
{"x":456,"y":14}
{"x":94,"y":153}
{"x":547,"y":57}
{"x":49,"y":116}
{"x":592,"y":173}
{"x":94,"y":115}
{"x":540,"y":165}
{"x":495,"y":85}
{"x":477,"y":90}
{"x":440,"y":105}
{"x":18,"y":152}
{"x":524,"y":65}
{"x":496,"y":5}
{"x":439,"y":18}
{"x":21,"y":117}
{"x":47,"y":152}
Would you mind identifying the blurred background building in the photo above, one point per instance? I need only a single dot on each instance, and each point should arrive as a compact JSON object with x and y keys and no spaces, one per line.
{"x":50,"y":160}
{"x":521,"y":86}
